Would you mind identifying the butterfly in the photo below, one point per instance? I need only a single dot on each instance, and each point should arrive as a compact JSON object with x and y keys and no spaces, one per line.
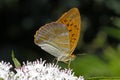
{"x":60,"y":38}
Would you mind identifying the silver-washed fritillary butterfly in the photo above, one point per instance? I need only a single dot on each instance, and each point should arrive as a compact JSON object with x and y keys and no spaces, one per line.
{"x":60,"y":38}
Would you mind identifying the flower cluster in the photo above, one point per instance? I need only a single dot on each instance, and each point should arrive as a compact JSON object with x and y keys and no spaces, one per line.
{"x":36,"y":70}
{"x":5,"y":72}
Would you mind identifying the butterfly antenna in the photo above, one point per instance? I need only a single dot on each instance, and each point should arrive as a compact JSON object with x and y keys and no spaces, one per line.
{"x":81,"y":54}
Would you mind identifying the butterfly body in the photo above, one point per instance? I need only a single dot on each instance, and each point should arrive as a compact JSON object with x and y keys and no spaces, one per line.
{"x":60,"y":38}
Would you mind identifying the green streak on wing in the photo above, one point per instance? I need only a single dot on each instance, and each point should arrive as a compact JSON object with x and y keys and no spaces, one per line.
{"x":16,"y":62}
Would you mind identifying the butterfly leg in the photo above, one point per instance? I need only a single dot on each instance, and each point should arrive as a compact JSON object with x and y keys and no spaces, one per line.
{"x":69,"y":64}
{"x":54,"y":61}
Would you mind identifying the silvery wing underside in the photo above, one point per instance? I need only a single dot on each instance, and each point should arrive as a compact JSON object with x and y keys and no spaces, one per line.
{"x":53,"y":38}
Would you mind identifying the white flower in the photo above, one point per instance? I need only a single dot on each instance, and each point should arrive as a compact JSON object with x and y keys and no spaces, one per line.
{"x":5,"y":72}
{"x":80,"y":78}
{"x":38,"y":70}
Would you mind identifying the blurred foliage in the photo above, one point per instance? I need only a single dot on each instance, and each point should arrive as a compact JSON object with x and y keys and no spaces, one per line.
{"x":113,"y":32}
{"x":91,"y":65}
{"x":98,"y":50}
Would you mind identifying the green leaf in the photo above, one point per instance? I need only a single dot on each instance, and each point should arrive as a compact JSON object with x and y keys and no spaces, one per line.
{"x":113,"y":32}
{"x":104,"y":78}
{"x":116,"y":22}
{"x":16,"y":62}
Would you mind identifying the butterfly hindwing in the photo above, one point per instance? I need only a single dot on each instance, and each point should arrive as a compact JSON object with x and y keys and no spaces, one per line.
{"x":54,"y":34}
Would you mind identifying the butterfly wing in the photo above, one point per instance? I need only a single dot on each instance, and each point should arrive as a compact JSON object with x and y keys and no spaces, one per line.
{"x":53,"y":38}
{"x":60,"y":38}
{"x":72,"y":20}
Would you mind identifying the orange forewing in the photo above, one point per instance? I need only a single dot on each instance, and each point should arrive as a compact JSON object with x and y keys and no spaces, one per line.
{"x":72,"y":20}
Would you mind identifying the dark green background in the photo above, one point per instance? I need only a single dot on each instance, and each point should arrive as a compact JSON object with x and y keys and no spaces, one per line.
{"x":98,"y":50}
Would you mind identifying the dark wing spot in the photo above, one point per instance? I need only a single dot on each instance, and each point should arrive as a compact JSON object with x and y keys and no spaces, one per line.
{"x":65,"y":20}
{"x":71,"y":24}
{"x":70,"y":30}
{"x":67,"y":24}
{"x":74,"y":38}
{"x":75,"y":26}
{"x":70,"y":20}
{"x":73,"y":35}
